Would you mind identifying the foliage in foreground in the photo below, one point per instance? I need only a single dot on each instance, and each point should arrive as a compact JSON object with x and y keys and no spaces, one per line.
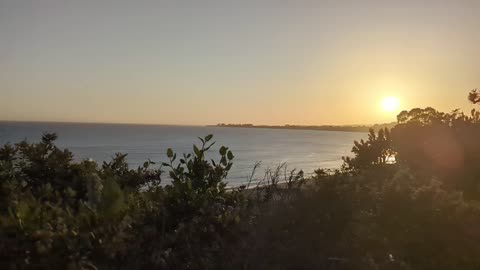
{"x":55,"y":212}
{"x":420,"y":210}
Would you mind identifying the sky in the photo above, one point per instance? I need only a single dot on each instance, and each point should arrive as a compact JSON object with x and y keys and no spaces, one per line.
{"x":261,"y":62}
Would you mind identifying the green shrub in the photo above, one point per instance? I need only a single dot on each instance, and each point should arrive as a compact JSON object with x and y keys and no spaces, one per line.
{"x":57,"y":213}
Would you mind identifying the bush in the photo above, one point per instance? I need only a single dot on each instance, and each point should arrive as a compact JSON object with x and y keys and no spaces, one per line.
{"x":55,"y":212}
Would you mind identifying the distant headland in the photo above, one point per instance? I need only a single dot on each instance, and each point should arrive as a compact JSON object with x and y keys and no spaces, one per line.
{"x":346,"y":128}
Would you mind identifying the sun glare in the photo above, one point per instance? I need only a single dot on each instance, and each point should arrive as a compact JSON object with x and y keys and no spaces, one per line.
{"x":390,"y":104}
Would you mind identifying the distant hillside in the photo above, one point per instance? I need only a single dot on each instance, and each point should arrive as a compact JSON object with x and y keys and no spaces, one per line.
{"x":351,"y":128}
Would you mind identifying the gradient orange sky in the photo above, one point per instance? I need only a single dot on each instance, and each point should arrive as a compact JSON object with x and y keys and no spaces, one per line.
{"x":199,"y":62}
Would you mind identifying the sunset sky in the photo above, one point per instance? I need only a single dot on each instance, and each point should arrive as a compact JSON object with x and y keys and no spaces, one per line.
{"x":206,"y":62}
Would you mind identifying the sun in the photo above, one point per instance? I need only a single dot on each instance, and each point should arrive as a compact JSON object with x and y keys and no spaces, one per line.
{"x":390,"y":104}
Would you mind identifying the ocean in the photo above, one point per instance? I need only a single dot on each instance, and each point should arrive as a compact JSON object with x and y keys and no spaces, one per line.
{"x":299,"y":149}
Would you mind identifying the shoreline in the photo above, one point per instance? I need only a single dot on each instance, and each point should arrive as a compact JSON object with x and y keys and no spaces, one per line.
{"x":316,"y":128}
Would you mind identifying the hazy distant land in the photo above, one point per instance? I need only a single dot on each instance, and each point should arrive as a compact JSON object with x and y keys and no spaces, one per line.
{"x":346,"y":128}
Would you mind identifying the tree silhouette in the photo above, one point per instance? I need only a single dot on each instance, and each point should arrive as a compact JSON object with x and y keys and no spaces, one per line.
{"x":474,"y":96}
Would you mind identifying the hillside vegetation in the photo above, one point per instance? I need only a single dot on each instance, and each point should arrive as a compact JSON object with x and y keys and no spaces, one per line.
{"x":408,"y":198}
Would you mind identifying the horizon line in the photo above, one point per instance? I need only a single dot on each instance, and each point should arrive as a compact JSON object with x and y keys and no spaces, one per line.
{"x":184,"y":125}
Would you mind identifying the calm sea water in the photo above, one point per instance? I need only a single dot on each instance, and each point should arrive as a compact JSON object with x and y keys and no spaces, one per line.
{"x":300,"y":149}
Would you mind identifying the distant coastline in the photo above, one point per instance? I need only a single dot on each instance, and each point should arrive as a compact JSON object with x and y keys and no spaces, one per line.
{"x":346,"y":128}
